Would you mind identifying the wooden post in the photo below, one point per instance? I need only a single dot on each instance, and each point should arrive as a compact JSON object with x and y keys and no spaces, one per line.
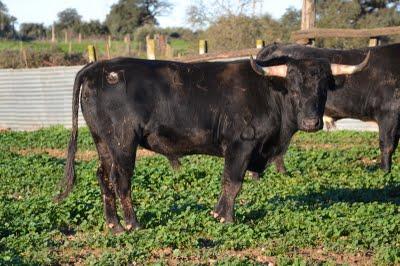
{"x":169,"y":51}
{"x":109,"y":41}
{"x":374,"y":41}
{"x":128,"y":46}
{"x":108,"y":51}
{"x":162,"y":43}
{"x":80,"y":38}
{"x":127,"y":38}
{"x":260,"y":44}
{"x":308,"y":14}
{"x":70,"y":48}
{"x":150,"y":48}
{"x":25,"y":58}
{"x":53,"y":33}
{"x":203,"y":47}
{"x":139,"y":49}
{"x":92,"y":54}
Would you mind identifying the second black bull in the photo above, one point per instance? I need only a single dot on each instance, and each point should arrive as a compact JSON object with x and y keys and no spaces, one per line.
{"x":370,"y":95}
{"x":243,"y":111}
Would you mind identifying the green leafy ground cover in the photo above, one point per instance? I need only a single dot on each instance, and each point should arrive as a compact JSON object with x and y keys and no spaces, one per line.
{"x":333,"y":207}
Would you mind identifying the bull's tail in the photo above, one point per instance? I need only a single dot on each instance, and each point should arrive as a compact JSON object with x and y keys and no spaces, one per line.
{"x":69,"y":171}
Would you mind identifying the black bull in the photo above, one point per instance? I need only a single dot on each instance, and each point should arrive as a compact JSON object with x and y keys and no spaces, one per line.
{"x":371,"y":95}
{"x":242,"y":111}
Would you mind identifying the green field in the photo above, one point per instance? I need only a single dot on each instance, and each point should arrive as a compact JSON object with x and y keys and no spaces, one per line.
{"x":333,"y":207}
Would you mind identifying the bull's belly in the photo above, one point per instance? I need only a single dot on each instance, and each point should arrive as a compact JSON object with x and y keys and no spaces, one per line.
{"x":181,"y":142}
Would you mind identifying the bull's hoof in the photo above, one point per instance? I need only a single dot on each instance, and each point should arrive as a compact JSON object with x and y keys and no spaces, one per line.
{"x":132,"y":227}
{"x":116,"y":229}
{"x":255,"y":176}
{"x":386,"y":166}
{"x":281,"y":170}
{"x":221,"y":218}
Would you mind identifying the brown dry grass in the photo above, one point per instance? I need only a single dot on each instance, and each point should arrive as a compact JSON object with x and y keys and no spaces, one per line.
{"x":86,"y":155}
{"x":258,"y":255}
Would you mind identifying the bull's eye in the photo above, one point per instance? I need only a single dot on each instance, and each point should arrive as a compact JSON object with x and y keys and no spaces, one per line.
{"x":112,"y":78}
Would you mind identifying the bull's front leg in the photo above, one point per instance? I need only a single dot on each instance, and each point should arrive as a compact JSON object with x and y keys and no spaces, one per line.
{"x":280,"y":164}
{"x":236,"y":162}
{"x":388,"y":139}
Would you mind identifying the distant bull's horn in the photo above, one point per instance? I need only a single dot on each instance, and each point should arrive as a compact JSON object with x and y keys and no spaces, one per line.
{"x":281,"y":70}
{"x":338,"y":69}
{"x":277,"y":71}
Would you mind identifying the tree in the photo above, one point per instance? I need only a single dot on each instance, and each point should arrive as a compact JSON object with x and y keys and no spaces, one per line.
{"x":371,"y":6}
{"x":68,"y":19}
{"x":289,"y":22}
{"x":234,"y":32}
{"x":200,"y":14}
{"x":150,"y":9}
{"x":93,"y":28}
{"x":7,"y":21}
{"x":355,"y":14}
{"x":126,"y":15}
{"x":30,"y":31}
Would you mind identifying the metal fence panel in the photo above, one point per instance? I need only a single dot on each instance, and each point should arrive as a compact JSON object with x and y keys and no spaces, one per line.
{"x":36,"y":98}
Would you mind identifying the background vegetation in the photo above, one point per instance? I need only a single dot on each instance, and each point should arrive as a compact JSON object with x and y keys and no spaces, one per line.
{"x":226,"y":24}
{"x":333,"y":207}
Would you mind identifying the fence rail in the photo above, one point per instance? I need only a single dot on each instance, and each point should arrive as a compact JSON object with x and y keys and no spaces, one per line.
{"x":344,"y":33}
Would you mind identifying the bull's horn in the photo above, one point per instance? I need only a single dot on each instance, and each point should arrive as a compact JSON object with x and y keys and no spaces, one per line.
{"x":338,"y":69}
{"x":277,"y":71}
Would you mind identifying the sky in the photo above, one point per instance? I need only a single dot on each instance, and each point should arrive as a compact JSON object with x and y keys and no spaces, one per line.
{"x":45,"y":11}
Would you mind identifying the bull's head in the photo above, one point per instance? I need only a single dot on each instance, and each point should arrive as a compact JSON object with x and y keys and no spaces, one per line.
{"x":306,"y":84}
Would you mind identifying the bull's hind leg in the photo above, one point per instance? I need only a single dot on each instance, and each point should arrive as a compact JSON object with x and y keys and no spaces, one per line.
{"x":121,"y":174}
{"x":388,"y":140}
{"x":107,"y":189}
{"x":174,"y":162}
{"x":236,"y":162}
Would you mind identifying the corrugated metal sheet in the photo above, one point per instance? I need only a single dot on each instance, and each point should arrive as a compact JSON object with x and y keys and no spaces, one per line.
{"x":35,"y":98}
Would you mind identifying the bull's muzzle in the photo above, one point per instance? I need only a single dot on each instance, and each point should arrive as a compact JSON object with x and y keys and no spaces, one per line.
{"x":311,"y":124}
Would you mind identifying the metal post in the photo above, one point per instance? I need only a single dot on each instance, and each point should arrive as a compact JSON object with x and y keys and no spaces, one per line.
{"x":260,"y":44}
{"x":374,"y":41}
{"x":92,"y":53}
{"x":150,"y":48}
{"x":203,"y":47}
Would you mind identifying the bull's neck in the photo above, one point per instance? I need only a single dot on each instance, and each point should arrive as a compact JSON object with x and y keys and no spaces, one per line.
{"x":283,"y":105}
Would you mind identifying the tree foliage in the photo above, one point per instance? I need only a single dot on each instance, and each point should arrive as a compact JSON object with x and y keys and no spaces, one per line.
{"x":127,"y":15}
{"x":6,"y":22}
{"x":30,"y":31}
{"x":234,"y":26}
{"x":68,"y":19}
{"x":355,"y":14}
{"x":93,"y":28}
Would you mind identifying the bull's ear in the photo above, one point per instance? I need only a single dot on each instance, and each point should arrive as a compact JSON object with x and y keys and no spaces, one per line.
{"x":278,"y":84}
{"x":338,"y":82}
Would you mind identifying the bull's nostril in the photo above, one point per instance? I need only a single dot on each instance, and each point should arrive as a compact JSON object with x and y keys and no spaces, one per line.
{"x":311,"y":123}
